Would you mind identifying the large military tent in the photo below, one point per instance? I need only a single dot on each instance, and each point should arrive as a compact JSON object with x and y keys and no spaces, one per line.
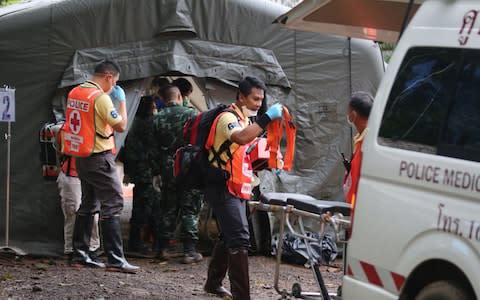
{"x":48,"y":46}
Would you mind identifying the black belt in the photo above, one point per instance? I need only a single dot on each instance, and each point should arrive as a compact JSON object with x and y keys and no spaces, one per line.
{"x":101,"y":153}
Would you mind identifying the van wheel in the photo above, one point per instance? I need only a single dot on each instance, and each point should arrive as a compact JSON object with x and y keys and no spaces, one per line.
{"x":443,"y":290}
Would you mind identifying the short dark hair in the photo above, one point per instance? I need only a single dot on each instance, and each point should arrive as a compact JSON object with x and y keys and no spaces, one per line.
{"x":144,"y":109}
{"x":160,"y":81}
{"x":183,"y":85}
{"x":168,"y":92}
{"x":361,"y":102}
{"x":107,"y":66}
{"x":245,"y":86}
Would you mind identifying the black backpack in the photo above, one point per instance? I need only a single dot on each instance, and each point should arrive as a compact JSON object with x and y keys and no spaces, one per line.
{"x":49,"y":158}
{"x":191,"y":160}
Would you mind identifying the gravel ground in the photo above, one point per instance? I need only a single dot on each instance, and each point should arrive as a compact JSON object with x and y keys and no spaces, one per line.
{"x":46,"y":278}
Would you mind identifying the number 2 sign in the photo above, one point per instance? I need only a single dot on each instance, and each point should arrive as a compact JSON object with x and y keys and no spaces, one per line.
{"x":7,"y":105}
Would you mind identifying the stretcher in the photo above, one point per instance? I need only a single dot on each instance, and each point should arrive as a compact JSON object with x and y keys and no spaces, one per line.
{"x":327,"y":213}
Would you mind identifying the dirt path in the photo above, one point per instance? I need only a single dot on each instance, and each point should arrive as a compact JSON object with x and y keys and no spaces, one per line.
{"x":29,"y":278}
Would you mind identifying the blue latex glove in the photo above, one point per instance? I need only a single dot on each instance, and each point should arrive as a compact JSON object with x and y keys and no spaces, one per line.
{"x":118,"y":94}
{"x":275,"y":111}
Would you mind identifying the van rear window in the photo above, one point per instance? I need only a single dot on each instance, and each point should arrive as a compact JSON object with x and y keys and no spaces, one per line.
{"x":434,"y":104}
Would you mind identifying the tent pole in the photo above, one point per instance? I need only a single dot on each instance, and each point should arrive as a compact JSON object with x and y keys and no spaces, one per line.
{"x":350,"y":85}
{"x":405,"y":19}
{"x":6,"y":248}
{"x":7,"y":187}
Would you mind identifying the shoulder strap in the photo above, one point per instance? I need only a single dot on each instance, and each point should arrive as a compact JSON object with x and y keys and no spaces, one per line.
{"x":213,"y":129}
{"x":274,"y":135}
{"x":290,"y":131}
{"x":69,"y":165}
{"x":224,"y":147}
{"x":58,"y":139}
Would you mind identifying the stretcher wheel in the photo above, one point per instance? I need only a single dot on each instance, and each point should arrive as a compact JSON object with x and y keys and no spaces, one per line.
{"x":297,"y":290}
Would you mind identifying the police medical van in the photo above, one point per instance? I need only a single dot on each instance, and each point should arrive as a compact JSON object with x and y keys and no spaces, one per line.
{"x":416,"y":220}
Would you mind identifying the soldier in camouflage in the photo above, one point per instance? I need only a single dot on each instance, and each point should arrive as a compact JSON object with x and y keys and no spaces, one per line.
{"x":177,"y":205}
{"x":138,"y":160}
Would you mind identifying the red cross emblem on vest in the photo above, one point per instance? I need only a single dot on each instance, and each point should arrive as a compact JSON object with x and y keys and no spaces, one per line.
{"x":74,"y":121}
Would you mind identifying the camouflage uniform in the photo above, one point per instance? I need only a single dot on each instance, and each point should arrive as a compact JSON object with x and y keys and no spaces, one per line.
{"x":138,"y":162}
{"x":175,"y":203}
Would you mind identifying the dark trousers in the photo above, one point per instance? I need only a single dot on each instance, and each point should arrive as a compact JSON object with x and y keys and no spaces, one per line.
{"x":101,"y":187}
{"x":231,"y":214}
{"x":182,"y":206}
{"x":145,"y":209}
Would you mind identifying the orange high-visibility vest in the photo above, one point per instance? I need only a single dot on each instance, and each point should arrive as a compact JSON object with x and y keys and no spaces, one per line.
{"x":274,"y":136}
{"x":350,"y":181}
{"x":239,"y":166}
{"x":78,"y":134}
{"x":69,"y":166}
{"x":241,"y":173}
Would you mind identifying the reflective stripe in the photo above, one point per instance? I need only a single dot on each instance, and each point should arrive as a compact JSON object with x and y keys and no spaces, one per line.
{"x":387,"y":280}
{"x":357,"y":270}
{"x":366,"y":272}
{"x":371,"y":273}
{"x":399,"y":280}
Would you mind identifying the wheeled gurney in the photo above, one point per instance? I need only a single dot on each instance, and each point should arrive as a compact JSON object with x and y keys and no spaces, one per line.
{"x":287,"y":205}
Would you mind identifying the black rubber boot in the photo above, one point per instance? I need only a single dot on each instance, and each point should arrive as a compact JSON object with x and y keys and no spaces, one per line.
{"x":82,"y":232}
{"x":135,"y":238}
{"x":217,"y":269}
{"x":112,"y":237}
{"x":136,"y":246}
{"x":238,"y":273}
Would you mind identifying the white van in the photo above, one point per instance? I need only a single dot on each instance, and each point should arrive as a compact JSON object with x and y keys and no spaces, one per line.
{"x":416,"y":228}
{"x":416,"y":223}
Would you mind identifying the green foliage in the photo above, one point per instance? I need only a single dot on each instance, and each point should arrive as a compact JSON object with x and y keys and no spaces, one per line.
{"x":8,"y":2}
{"x":388,"y":46}
{"x":289,"y":3}
{"x":387,"y":50}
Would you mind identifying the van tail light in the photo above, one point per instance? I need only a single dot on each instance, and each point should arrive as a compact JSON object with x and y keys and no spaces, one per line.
{"x":353,"y":197}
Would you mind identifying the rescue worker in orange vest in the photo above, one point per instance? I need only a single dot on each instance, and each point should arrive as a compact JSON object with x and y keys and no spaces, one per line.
{"x":229,"y":185}
{"x":358,"y":112}
{"x":91,"y":119}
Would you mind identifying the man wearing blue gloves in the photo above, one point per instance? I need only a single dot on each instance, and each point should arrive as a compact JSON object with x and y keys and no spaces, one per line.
{"x":229,"y":186}
{"x":91,"y":119}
